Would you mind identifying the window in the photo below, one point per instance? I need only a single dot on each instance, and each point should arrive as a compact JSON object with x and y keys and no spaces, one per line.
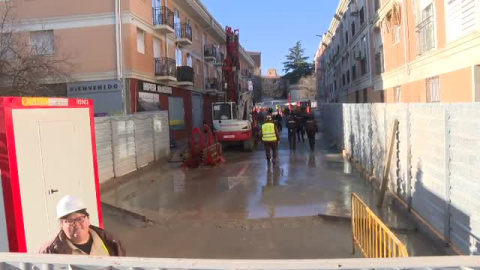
{"x":156,"y":48}
{"x":433,"y":89}
{"x":222,"y":111}
{"x":426,"y":30}
{"x":140,"y":41}
{"x":43,"y":42}
{"x":362,"y":16}
{"x":377,"y":5}
{"x":156,"y":4}
{"x":196,"y":32}
{"x":363,"y":66}
{"x":397,"y":91}
{"x":348,"y":76}
{"x":396,"y":35}
{"x":357,"y":97}
{"x":382,"y":96}
{"x":189,"y":60}
{"x":379,"y":68}
{"x":343,"y":79}
{"x":179,"y":57}
{"x":353,"y":29}
{"x":365,"y":95}
{"x":346,"y":37}
{"x":354,"y":72}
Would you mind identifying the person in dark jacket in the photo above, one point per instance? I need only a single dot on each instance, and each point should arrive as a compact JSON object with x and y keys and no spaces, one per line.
{"x":77,"y":236}
{"x":292,"y":130}
{"x":301,"y":128}
{"x":312,"y":129}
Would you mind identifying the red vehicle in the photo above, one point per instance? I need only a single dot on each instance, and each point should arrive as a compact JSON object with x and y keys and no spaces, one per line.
{"x":232,"y":119}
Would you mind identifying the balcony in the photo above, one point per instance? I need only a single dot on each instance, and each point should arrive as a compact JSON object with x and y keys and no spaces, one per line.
{"x":163,"y":20}
{"x":185,"y":76}
{"x":165,"y":69}
{"x":210,"y":53}
{"x":219,"y":59}
{"x":183,"y":34}
{"x":212,"y":85}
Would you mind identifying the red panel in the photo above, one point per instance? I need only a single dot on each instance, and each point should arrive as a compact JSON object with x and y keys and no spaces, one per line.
{"x":12,"y":196}
{"x":95,"y":167}
{"x":9,"y":166}
{"x":133,"y":95}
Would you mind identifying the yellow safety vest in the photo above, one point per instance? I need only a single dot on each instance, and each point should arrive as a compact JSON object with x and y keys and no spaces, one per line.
{"x":268,"y":132}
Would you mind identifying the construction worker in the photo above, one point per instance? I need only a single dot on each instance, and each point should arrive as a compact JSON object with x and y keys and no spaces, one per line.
{"x":270,"y":139}
{"x":77,"y":236}
{"x":292,"y":129}
{"x":312,"y":129}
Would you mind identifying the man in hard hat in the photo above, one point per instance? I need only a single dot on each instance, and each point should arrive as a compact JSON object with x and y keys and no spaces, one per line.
{"x":270,"y":139}
{"x":77,"y":236}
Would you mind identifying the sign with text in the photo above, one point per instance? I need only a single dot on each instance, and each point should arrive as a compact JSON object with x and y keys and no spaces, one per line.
{"x":95,"y":86}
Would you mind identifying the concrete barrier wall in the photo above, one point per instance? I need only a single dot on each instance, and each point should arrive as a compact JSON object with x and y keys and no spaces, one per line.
{"x":435,"y":162}
{"x":127,"y":143}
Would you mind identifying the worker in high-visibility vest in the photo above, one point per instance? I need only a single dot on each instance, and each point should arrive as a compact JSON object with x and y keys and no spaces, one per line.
{"x":271,"y":139}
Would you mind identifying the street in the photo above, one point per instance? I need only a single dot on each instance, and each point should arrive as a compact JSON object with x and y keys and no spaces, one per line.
{"x":299,"y":208}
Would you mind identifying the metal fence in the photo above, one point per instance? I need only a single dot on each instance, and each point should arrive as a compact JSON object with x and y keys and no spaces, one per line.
{"x":127,"y":143}
{"x":16,"y":261}
{"x":435,"y":162}
{"x":372,"y":236}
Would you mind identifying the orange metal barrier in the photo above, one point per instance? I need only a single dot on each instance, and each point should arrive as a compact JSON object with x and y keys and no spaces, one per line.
{"x":372,"y":236}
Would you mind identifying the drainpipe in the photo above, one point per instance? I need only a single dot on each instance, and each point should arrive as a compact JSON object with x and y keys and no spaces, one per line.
{"x":405,"y":34}
{"x":369,"y":45}
{"x":117,"y":38}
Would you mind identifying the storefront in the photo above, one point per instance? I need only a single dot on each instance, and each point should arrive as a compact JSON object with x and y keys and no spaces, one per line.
{"x":146,"y":96}
{"x":107,"y":95}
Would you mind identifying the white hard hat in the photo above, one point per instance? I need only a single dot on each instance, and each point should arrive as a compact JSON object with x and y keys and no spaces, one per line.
{"x":69,"y":204}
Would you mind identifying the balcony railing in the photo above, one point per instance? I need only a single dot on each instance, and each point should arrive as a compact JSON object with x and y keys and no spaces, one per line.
{"x":163,"y":16}
{"x":212,"y":84}
{"x":185,"y":74}
{"x":210,"y":51}
{"x":165,"y":67}
{"x":183,"y":31}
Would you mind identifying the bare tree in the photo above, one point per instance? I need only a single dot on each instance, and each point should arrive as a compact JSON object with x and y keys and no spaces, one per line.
{"x":274,"y":88}
{"x":29,"y":62}
{"x":308,"y":84}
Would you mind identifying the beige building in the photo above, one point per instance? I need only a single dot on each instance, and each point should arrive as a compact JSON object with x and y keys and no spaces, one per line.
{"x":401,"y":51}
{"x":138,"y":55}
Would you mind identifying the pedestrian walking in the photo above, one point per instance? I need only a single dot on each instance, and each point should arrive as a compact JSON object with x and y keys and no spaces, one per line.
{"x":312,"y":129}
{"x":292,"y":131}
{"x":271,"y":139}
{"x":300,"y":128}
{"x":77,"y":236}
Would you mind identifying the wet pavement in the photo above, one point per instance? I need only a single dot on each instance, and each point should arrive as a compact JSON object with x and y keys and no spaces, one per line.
{"x":298,"y":208}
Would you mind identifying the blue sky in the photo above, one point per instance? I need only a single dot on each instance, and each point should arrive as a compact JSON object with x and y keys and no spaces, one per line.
{"x":273,"y":26}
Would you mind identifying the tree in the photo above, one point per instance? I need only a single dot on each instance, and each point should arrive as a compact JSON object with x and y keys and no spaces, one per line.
{"x":296,"y":65}
{"x":274,"y":88}
{"x":27,"y":66}
{"x":308,"y":84}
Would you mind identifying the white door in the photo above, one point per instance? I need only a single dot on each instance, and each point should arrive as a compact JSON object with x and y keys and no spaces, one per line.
{"x":176,"y":23}
{"x":179,"y":57}
{"x":54,"y":155}
{"x":156,"y":48}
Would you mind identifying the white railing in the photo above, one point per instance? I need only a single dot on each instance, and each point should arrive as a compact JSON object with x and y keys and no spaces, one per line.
{"x":19,"y":261}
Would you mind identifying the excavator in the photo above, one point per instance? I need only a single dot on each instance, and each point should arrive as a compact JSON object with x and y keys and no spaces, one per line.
{"x":232,"y":118}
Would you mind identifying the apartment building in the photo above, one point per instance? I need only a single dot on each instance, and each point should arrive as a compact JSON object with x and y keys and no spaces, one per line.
{"x":401,"y":51}
{"x":138,"y":55}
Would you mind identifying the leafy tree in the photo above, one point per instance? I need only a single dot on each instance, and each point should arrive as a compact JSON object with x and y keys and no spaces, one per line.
{"x":296,"y":65}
